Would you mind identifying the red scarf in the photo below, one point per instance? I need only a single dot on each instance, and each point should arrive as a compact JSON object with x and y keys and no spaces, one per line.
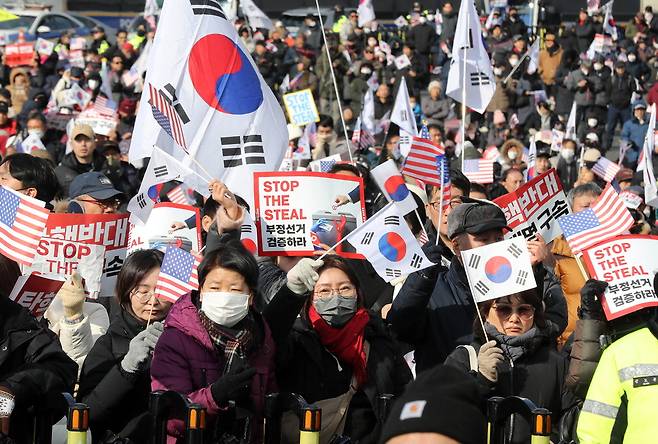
{"x":346,"y":342}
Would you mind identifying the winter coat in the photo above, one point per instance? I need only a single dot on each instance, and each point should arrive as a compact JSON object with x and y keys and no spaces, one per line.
{"x":585,"y":34}
{"x":114,"y":396}
{"x":449,"y":26}
{"x":602,"y":97}
{"x":549,"y":64}
{"x":19,"y":94}
{"x":32,"y":366}
{"x":538,"y":375}
{"x":635,"y":131}
{"x":436,"y":315}
{"x":571,"y":281}
{"x":568,"y":172}
{"x":436,"y":111}
{"x":186,"y":360}
{"x":501,"y":98}
{"x":305,"y":367}
{"x":70,"y":168}
{"x":564,"y":96}
{"x":515,"y":27}
{"x":585,"y":354}
{"x":621,"y":90}
{"x":586,"y":95}
{"x":423,"y":37}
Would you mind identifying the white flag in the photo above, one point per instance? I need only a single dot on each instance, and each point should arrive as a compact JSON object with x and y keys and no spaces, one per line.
{"x":468,"y":49}
{"x":650,"y":187}
{"x":570,"y":130}
{"x":256,"y":17}
{"x":393,"y":186}
{"x":161,"y":168}
{"x":608,"y":20}
{"x":499,"y":269}
{"x":151,"y":8}
{"x":31,"y":143}
{"x":533,"y":57}
{"x":366,"y":12}
{"x":368,"y":112}
{"x":402,"y":114}
{"x":389,"y":245}
{"x":231,"y":120}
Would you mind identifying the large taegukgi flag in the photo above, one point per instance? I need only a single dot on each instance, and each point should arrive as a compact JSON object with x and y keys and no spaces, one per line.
{"x":231,"y":121}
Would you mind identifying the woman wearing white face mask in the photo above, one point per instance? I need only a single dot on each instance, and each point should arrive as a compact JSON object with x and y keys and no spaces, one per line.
{"x":215,"y":348}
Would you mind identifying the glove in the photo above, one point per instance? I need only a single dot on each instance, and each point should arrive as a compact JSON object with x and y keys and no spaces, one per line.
{"x":72,"y":295}
{"x":488,"y":359}
{"x":230,"y":386}
{"x":303,"y":276}
{"x":140,"y":348}
{"x":590,"y":300}
{"x":433,"y":253}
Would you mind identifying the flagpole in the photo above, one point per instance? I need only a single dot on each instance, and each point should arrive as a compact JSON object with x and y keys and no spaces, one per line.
{"x":422,"y":227}
{"x":440,"y":221}
{"x":477,"y":309}
{"x":333,"y":78}
{"x":517,"y":66}
{"x":463,"y":123}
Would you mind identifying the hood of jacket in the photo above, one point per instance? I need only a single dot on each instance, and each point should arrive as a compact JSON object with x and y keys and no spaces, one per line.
{"x":15,"y":72}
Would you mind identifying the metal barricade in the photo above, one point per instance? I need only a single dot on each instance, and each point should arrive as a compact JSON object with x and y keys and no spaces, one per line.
{"x":165,"y":405}
{"x":310,"y":417}
{"x":499,"y":410}
{"x":77,"y":424}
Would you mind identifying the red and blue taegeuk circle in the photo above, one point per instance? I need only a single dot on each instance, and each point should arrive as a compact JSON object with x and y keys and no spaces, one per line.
{"x":498,"y":269}
{"x":396,"y":188}
{"x":223,"y":75}
{"x":154,"y":192}
{"x":250,"y":245}
{"x":392,"y":246}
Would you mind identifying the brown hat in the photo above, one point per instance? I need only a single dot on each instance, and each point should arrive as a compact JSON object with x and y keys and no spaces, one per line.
{"x":82,"y":129}
{"x":624,"y":174}
{"x":591,"y":155}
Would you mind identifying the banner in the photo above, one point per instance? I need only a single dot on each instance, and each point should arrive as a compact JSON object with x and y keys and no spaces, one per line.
{"x":56,"y":256}
{"x":298,"y":213}
{"x":45,"y":47}
{"x":19,"y":54}
{"x":627,"y":263}
{"x":300,"y":107}
{"x":101,"y":124}
{"x":108,"y":230}
{"x":35,"y":292}
{"x":168,"y":224}
{"x":534,"y":207}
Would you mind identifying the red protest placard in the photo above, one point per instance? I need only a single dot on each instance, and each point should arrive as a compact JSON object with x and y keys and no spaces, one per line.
{"x":535,"y":207}
{"x":627,"y":264}
{"x":19,"y":54}
{"x":297,"y":213}
{"x":35,"y":292}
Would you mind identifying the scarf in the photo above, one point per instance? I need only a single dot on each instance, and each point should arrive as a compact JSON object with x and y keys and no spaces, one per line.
{"x":346,"y":343}
{"x":515,"y":347}
{"x":233,"y":342}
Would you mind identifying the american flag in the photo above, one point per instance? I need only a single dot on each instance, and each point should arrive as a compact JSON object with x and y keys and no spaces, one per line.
{"x":105,"y":106}
{"x":479,"y":170}
{"x":180,"y":195}
{"x":444,"y":172}
{"x":606,"y":169}
{"x":532,"y":160}
{"x":424,"y":133}
{"x":22,"y":221}
{"x":607,"y":217}
{"x":325,"y":164}
{"x":167,"y":117}
{"x":178,"y":274}
{"x":361,"y":137}
{"x":421,"y":161}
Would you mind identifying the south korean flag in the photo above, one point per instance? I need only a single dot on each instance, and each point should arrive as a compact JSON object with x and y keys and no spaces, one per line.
{"x":499,"y":269}
{"x":389,"y":245}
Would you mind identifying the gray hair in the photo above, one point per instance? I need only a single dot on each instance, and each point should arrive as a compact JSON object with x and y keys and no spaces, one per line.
{"x":591,"y":189}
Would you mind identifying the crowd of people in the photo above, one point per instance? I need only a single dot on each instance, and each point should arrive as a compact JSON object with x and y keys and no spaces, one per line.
{"x":331,"y":329}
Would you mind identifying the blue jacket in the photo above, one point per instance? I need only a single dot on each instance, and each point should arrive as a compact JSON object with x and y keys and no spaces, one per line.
{"x":635,"y":131}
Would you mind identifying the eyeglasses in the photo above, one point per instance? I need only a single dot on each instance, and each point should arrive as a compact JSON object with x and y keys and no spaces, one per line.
{"x":343,"y":290}
{"x":453,"y":203}
{"x":107,"y":203}
{"x":143,"y":296}
{"x":523,"y":311}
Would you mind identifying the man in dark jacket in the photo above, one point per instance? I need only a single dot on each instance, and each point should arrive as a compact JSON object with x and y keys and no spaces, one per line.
{"x":449,"y":22}
{"x":82,"y":159}
{"x":622,"y":86}
{"x":584,"y":31}
{"x":33,"y":369}
{"x":513,"y":24}
{"x":434,"y":310}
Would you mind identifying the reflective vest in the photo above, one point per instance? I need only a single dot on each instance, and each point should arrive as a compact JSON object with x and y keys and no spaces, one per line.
{"x":629,"y":366}
{"x":338,"y":25}
{"x":136,"y":41}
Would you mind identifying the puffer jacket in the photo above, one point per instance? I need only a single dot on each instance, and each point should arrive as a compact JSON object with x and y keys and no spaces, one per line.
{"x":571,"y":280}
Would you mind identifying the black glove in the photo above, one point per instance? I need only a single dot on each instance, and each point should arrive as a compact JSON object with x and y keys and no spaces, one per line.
{"x":590,"y":300}
{"x":433,"y":253}
{"x":231,"y":385}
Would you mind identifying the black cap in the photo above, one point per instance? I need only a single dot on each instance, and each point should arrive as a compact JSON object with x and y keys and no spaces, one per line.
{"x":442,"y":400}
{"x":4,"y":108}
{"x":95,"y":185}
{"x":97,"y":28}
{"x":109,"y":146}
{"x":475,"y":218}
{"x":544,"y":151}
{"x":77,"y":72}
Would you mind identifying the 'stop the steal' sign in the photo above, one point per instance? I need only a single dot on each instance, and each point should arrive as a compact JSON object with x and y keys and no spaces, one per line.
{"x":535,"y":207}
{"x":301,"y":107}
{"x":627,"y":263}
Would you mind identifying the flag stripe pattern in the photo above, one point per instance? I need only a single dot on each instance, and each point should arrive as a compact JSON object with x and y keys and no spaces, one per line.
{"x":105,"y":106}
{"x":178,"y":274}
{"x":421,"y":161}
{"x":606,"y":218}
{"x":606,"y":169}
{"x":166,"y":116}
{"x":446,"y":187}
{"x":479,"y":170}
{"x":177,"y":195}
{"x":22,"y":222}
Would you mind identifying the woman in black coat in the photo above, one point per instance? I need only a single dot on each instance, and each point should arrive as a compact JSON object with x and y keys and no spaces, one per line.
{"x":518,"y":359}
{"x":333,"y":342}
{"x":115,"y":381}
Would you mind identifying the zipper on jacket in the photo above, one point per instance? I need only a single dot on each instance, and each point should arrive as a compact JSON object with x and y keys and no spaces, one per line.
{"x":204,"y":378}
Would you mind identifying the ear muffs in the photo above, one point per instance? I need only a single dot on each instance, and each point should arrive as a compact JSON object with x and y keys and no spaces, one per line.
{"x":74,"y":207}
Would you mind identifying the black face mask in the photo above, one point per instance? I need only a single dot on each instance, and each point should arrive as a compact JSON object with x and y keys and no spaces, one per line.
{"x":141,"y":33}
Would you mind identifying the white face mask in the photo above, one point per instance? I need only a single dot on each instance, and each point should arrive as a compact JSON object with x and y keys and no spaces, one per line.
{"x":512,"y":155}
{"x":598,"y":66}
{"x":225,"y":308}
{"x":498,"y":71}
{"x":567,"y":154}
{"x":35,"y":132}
{"x":513,"y":61}
{"x":631,"y":57}
{"x":592,"y":122}
{"x":93,"y":84}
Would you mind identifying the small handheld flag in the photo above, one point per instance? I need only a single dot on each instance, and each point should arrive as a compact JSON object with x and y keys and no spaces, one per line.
{"x":392,"y":184}
{"x":178,"y":274}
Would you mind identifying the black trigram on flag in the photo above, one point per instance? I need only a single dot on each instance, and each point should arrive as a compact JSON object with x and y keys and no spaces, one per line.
{"x":367,"y":238}
{"x":392,"y":220}
{"x":521,"y":277}
{"x":393,"y":273}
{"x":403,"y":115}
{"x":173,"y":101}
{"x":416,"y":261}
{"x":474,"y":261}
{"x":479,"y":78}
{"x":514,"y":250}
{"x":245,"y":150}
{"x":481,"y":287}
{"x":245,"y":228}
{"x":207,"y":7}
{"x":141,"y":201}
{"x":160,"y":171}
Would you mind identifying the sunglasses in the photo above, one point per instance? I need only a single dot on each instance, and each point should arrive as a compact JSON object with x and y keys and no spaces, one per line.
{"x":523,"y":311}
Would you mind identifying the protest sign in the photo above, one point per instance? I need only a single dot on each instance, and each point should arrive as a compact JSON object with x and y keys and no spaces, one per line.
{"x":627,"y":263}
{"x":101,"y":124}
{"x":402,"y":62}
{"x":300,"y":107}
{"x":45,"y":47}
{"x":19,"y":54}
{"x":75,"y":95}
{"x":534,"y":207}
{"x":57,"y":256}
{"x":631,"y":200}
{"x":36,"y":291}
{"x":297,"y":212}
{"x":168,"y":224}
{"x":57,"y":120}
{"x":108,"y":230}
